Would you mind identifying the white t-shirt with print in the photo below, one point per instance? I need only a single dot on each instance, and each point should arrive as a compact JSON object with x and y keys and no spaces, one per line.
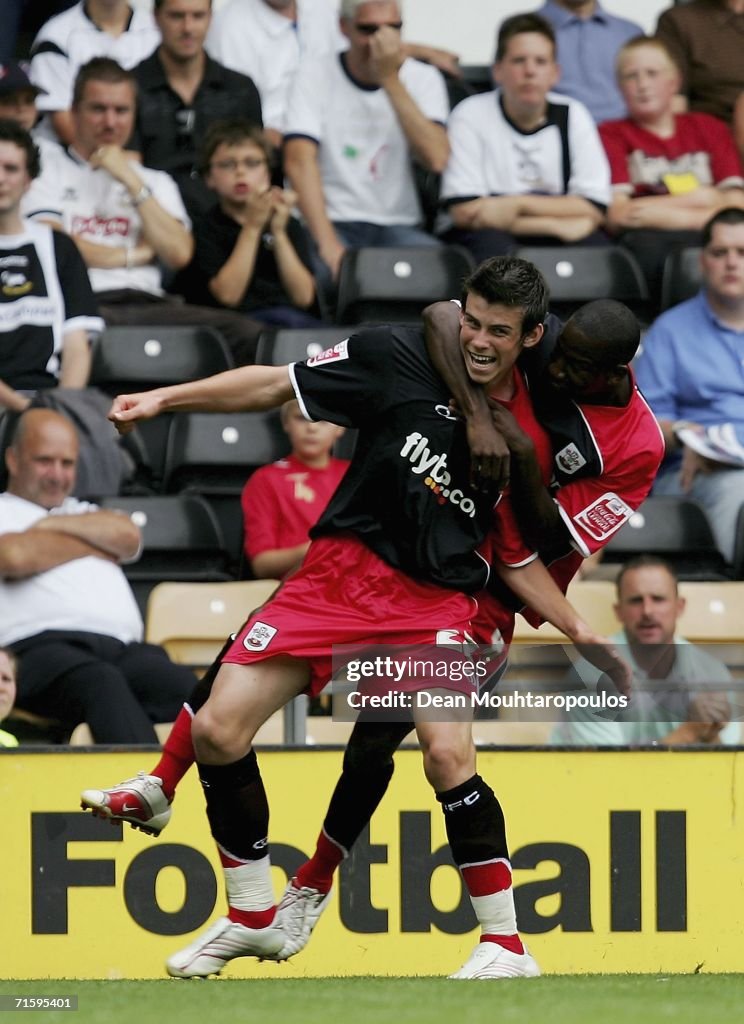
{"x":363,"y":153}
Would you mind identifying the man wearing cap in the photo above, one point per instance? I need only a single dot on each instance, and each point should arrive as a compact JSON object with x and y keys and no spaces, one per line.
{"x":18,"y":102}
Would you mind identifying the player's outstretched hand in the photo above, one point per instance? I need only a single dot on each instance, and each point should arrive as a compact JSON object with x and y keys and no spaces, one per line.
{"x":128,"y":410}
{"x":604,"y":655}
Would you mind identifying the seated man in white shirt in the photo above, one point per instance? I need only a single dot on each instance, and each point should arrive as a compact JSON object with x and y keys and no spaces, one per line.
{"x":527,"y":165}
{"x":266,"y":39}
{"x":679,"y":690}
{"x":127,"y":220}
{"x":354,"y":124}
{"x":122,"y":216}
{"x":66,"y":610}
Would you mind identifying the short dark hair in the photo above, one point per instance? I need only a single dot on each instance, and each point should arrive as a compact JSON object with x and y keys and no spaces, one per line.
{"x":512,"y":282}
{"x":101,"y":69}
{"x":519,"y":24}
{"x":729,"y":215}
{"x":10,"y":131}
{"x":612,"y":326}
{"x":157,"y":4}
{"x":231,"y":133}
{"x":646,"y":562}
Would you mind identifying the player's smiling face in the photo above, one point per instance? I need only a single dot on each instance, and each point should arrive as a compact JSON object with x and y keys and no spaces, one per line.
{"x":491,"y":340}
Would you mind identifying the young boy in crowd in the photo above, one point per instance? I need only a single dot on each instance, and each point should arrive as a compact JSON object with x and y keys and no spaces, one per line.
{"x":250,"y":252}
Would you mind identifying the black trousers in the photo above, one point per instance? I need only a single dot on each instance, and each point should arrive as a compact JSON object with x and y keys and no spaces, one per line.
{"x":118,"y":689}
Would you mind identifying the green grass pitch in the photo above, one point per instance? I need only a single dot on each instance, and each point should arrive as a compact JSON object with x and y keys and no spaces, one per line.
{"x":597,"y":999}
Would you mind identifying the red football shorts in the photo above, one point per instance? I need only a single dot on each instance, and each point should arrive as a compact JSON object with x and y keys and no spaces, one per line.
{"x":493,"y":628}
{"x":343,"y":593}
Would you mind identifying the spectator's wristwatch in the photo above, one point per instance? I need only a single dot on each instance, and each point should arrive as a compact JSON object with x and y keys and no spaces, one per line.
{"x":141,"y":195}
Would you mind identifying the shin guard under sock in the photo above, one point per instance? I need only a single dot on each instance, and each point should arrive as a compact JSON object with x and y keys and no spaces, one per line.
{"x":237,"y":807}
{"x":477,"y":836}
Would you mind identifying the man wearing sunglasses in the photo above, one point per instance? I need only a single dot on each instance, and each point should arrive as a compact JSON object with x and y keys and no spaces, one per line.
{"x":353,"y":126}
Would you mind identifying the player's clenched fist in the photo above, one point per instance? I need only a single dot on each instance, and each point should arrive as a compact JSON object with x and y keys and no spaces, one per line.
{"x":128,"y":410}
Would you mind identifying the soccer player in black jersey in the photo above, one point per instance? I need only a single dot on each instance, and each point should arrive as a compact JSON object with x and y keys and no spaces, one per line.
{"x":392,"y":561}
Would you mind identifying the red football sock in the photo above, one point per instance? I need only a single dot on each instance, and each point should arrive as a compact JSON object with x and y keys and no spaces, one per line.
{"x":317,"y":873}
{"x":490,"y":888}
{"x":511,"y":942}
{"x":252,"y":918}
{"x":178,"y":753}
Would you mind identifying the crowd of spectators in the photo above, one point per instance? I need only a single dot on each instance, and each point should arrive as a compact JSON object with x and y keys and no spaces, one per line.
{"x":594,"y":134}
{"x":213,"y":167}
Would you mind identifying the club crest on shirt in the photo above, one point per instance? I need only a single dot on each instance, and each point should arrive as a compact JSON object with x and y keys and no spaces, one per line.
{"x":570,"y":459}
{"x":604,"y":516}
{"x":259,"y":636}
{"x":331,"y":355}
{"x":15,"y":283}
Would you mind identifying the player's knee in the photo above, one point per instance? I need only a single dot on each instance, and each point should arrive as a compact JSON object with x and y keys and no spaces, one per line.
{"x":362,"y":757}
{"x":218,"y":737}
{"x":448,"y":761}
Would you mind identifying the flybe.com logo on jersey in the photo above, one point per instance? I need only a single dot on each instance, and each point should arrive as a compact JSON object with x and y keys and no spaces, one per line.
{"x":437,"y":478}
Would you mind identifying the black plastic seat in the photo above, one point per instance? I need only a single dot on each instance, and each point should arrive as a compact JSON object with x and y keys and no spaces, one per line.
{"x":379,"y":285}
{"x":139,"y":358}
{"x":181,"y":541}
{"x":213,"y":454}
{"x":682,"y":276}
{"x":220,"y":450}
{"x":576,"y":274}
{"x":673,"y":528}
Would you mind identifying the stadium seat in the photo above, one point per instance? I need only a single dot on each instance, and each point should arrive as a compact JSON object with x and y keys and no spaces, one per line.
{"x":181,"y":540}
{"x":682,"y":276}
{"x":581,"y":273}
{"x":543,"y":655}
{"x":139,"y":358}
{"x":151,"y":439}
{"x":394,"y":284}
{"x":220,"y":450}
{"x":193,"y":620}
{"x":713,"y":612}
{"x":479,"y":77}
{"x":676,"y":529}
{"x":213,"y":454}
{"x":592,"y":599}
{"x":289,"y":345}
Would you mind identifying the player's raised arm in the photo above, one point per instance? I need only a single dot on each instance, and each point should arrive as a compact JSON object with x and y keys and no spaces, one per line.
{"x":534,"y":585}
{"x":488,"y":451}
{"x":246,"y":389}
